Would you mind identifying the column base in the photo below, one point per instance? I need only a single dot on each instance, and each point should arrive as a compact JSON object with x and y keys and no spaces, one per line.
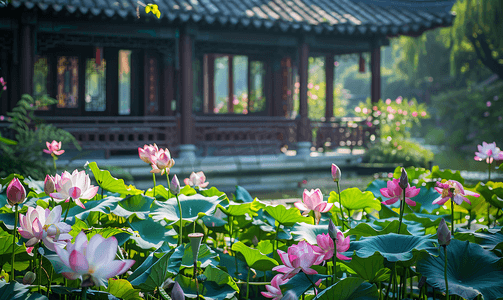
{"x":187,"y":152}
{"x":303,"y":149}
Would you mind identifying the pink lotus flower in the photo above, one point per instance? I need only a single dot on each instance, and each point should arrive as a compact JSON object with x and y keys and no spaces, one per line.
{"x":313,"y":200}
{"x":336,"y":173}
{"x":395,"y":192}
{"x":273,"y":290}
{"x":458,"y":194}
{"x":15,"y":192}
{"x":147,"y":152}
{"x":489,"y":152}
{"x":43,"y":224}
{"x":299,"y":257}
{"x":325,"y":248}
{"x":196,"y":179}
{"x":161,"y":162}
{"x":414,"y":114}
{"x":49,"y":184}
{"x":54,"y":148}
{"x":93,"y":262}
{"x":76,"y":186}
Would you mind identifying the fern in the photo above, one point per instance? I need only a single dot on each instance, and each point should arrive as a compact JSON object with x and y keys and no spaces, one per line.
{"x":31,"y":133}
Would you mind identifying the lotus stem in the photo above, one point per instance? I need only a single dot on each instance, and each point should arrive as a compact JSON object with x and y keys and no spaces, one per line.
{"x":84,"y":293}
{"x":153,"y":178}
{"x":402,"y":202}
{"x":54,"y":162}
{"x":390,"y":283}
{"x":452,"y":217}
{"x":180,"y":233}
{"x":312,"y":283}
{"x":340,"y":205}
{"x":488,"y":216}
{"x":39,"y":266}
{"x":445,"y":274}
{"x":248,"y":284}
{"x":334,"y":261}
{"x":66,"y":213}
{"x":488,"y":172}
{"x":16,"y":206}
{"x":395,"y":282}
{"x":277,"y":233}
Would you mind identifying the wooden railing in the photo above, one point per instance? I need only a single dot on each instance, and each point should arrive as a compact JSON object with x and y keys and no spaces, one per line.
{"x":214,"y":135}
{"x":120,"y":133}
{"x":344,"y":132}
{"x":244,"y":135}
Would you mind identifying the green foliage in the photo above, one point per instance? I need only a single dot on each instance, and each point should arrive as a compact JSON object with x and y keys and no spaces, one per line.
{"x":26,"y":157}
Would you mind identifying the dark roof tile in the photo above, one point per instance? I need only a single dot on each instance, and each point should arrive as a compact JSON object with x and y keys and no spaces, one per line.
{"x":321,"y":16}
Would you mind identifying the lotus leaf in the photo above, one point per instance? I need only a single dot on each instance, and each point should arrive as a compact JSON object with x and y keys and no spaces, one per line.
{"x":350,"y":288}
{"x":299,"y":283}
{"x":371,"y":268}
{"x":193,"y":207}
{"x":354,"y":199}
{"x":287,"y":217}
{"x":106,"y":181}
{"x":254,"y":258}
{"x":471,"y":271}
{"x":308,"y":232}
{"x":394,"y":247}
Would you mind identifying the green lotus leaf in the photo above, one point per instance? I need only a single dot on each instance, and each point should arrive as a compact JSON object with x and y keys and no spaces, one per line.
{"x":193,"y":207}
{"x":152,"y":235}
{"x":228,"y":263}
{"x":182,"y":257}
{"x":308,"y":232}
{"x":212,"y":221}
{"x":366,"y":229}
{"x":254,"y":258}
{"x":210,"y":290}
{"x":105,"y":205}
{"x":107,"y":182}
{"x":120,"y":234}
{"x":265,"y":247}
{"x":287,"y":217}
{"x":488,"y":239}
{"x":492,"y":192}
{"x":121,"y":288}
{"x":350,"y":288}
{"x":413,"y":227}
{"x":138,"y":205}
{"x":299,"y":283}
{"x":152,"y":273}
{"x":242,"y":195}
{"x":471,"y":271}
{"x":426,"y":220}
{"x":220,"y":277}
{"x":375,"y":187}
{"x":160,"y":190}
{"x":387,"y":212}
{"x":371,"y":268}
{"x":18,"y":291}
{"x":412,"y":172}
{"x":447,"y":174}
{"x":212,"y":191}
{"x":394,"y":247}
{"x":239,"y":209}
{"x":354,"y":199}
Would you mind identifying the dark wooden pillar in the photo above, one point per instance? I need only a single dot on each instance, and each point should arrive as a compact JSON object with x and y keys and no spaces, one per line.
{"x":230,"y":104}
{"x":375,"y":61}
{"x":329,"y":77}
{"x":26,"y":58}
{"x":187,"y":123}
{"x":304,"y":130}
{"x":277,"y":86}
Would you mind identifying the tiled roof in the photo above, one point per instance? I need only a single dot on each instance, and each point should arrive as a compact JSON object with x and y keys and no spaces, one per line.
{"x":348,"y":17}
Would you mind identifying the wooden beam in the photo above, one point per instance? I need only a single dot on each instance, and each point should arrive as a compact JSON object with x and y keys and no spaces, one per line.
{"x":187,"y":124}
{"x":329,"y":77}
{"x":304,"y":128}
{"x":375,"y":60}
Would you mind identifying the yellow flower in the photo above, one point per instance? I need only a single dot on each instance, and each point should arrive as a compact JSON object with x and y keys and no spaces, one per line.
{"x":154,"y":9}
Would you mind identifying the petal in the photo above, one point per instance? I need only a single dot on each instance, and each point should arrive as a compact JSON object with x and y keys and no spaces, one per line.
{"x":386,"y":193}
{"x":90,"y":192}
{"x":71,"y":275}
{"x":128,"y":264}
{"x":110,"y":270}
{"x":324,"y":207}
{"x":282,"y":269}
{"x":77,"y":201}
{"x":78,"y":262}
{"x":301,"y":206}
{"x":342,"y":257}
{"x":101,"y":251}
{"x":390,"y":201}
{"x":440,"y":200}
{"x":410,"y":202}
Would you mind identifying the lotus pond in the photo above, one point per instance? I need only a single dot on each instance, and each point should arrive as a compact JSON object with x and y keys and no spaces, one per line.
{"x":422,"y":234}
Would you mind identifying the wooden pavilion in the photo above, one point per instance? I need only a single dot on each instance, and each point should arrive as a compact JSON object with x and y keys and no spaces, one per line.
{"x":124,"y":78}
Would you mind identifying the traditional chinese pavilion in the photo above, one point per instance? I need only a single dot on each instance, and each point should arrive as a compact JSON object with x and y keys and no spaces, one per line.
{"x":124,"y":78}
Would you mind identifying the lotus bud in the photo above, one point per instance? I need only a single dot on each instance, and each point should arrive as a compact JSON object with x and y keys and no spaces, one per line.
{"x":195,"y":242}
{"x":175,"y":185}
{"x":404,"y":180}
{"x":177,"y":292}
{"x":29,"y":278}
{"x":255,"y":241}
{"x":336,"y":173}
{"x":49,"y":185}
{"x":332,"y":230}
{"x":290,"y":295}
{"x":443,"y":234}
{"x":16,"y":193}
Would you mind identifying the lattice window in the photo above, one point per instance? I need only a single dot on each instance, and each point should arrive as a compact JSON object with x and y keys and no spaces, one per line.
{"x":40,"y":78}
{"x":257,"y":102}
{"x":95,"y":97}
{"x":124,"y":82}
{"x":152,"y":105}
{"x":67,"y":81}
